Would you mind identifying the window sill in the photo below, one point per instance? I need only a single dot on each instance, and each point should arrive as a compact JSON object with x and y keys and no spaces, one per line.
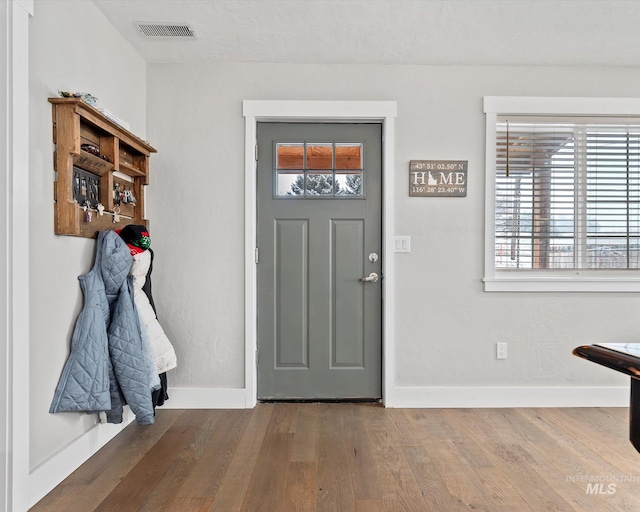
{"x":562,"y":284}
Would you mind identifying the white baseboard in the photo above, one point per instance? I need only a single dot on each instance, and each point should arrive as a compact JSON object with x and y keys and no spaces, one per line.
{"x":462,"y":397}
{"x":55,"y":469}
{"x":431,"y":397}
{"x":206,"y":398}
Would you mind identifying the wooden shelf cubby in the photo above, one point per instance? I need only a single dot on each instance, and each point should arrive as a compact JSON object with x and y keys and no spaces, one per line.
{"x":122,"y":164}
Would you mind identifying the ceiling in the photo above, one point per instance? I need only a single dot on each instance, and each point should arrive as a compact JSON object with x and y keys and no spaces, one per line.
{"x":433,"y":32}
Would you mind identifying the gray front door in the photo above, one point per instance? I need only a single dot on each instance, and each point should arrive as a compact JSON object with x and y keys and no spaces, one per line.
{"x":319,"y":234}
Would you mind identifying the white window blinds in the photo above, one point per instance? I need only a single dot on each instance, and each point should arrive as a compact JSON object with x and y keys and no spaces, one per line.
{"x":567,"y":193}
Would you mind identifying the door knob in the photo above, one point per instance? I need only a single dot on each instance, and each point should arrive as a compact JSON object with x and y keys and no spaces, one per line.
{"x":371,"y":278}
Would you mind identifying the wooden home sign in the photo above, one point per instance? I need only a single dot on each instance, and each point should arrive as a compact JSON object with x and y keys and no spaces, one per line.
{"x":438,"y":178}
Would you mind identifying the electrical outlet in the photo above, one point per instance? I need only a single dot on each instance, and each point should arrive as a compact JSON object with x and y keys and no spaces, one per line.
{"x":501,"y":350}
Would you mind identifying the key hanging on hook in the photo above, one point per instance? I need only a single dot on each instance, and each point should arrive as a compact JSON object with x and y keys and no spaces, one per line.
{"x":87,"y":211}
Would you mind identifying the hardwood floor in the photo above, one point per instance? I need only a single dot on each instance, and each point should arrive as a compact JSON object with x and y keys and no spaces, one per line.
{"x":363,"y":458}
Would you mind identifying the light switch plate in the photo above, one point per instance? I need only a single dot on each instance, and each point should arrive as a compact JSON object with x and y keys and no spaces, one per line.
{"x":402,"y":243}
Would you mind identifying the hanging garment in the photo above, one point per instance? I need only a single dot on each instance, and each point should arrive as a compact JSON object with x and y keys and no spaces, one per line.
{"x":106,"y":342}
{"x":159,"y":396}
{"x":147,"y":284}
{"x":164,"y":355}
{"x":154,"y":379}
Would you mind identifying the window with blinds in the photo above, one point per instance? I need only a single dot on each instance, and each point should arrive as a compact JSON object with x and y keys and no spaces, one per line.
{"x":567,"y":192}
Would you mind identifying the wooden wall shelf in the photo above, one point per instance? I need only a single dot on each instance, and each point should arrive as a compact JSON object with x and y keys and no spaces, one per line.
{"x":92,"y":163}
{"x":130,"y":170}
{"x":76,"y":123}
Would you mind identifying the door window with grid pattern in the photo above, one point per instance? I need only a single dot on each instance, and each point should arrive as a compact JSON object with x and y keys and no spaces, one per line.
{"x":319,"y":170}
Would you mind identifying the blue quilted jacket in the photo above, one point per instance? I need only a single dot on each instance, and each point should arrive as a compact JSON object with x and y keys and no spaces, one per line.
{"x":107,"y":366}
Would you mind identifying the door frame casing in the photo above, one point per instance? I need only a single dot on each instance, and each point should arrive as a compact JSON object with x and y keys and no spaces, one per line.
{"x":384,"y":112}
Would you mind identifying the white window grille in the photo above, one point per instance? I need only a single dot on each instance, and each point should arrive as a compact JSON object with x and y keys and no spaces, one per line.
{"x":563,"y":195}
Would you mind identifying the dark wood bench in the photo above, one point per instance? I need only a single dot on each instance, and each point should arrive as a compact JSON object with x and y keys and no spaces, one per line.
{"x":625,"y":358}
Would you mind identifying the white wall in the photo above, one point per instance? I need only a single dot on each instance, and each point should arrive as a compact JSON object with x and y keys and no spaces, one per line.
{"x":4,"y":311}
{"x":73,"y":47}
{"x":447,"y":325}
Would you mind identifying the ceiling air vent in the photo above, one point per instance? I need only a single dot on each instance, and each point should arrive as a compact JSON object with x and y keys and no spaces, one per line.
{"x":164,"y":29}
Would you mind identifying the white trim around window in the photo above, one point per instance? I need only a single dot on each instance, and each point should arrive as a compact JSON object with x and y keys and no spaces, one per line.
{"x":542,"y":280}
